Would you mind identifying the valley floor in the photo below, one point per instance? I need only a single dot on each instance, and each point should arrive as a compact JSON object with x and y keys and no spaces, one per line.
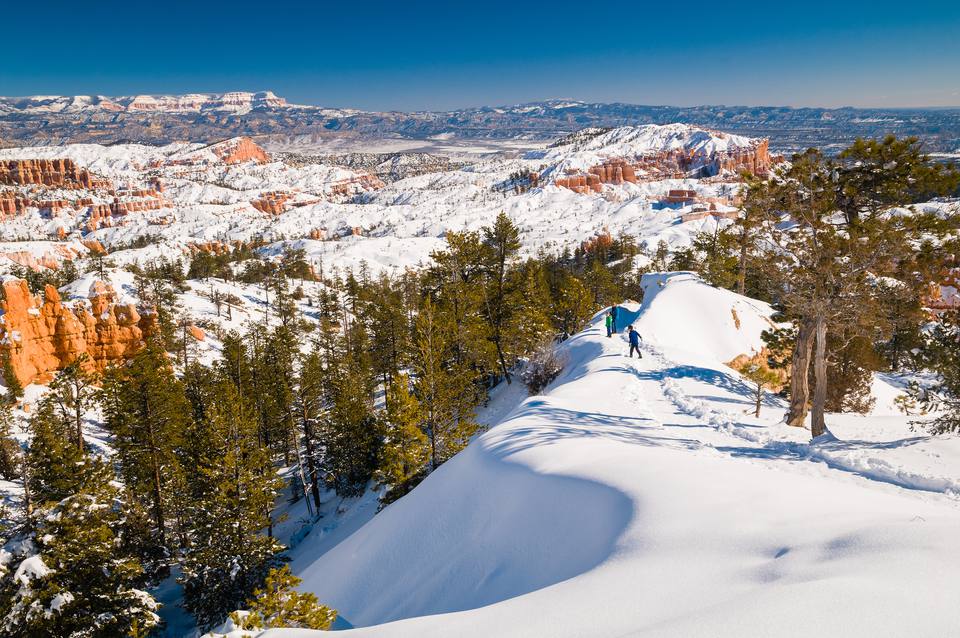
{"x":636,"y":498}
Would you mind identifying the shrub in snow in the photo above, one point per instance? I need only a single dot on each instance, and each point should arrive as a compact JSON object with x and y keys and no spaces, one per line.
{"x":544,"y":366}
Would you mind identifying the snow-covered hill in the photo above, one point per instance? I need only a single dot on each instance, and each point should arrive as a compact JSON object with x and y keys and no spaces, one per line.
{"x":591,"y":147}
{"x":635,"y":498}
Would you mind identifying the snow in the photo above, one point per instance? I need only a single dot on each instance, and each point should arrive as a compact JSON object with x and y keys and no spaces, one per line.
{"x":30,"y":568}
{"x":635,"y":497}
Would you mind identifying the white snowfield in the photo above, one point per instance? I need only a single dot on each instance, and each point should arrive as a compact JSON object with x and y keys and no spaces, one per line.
{"x":635,"y":498}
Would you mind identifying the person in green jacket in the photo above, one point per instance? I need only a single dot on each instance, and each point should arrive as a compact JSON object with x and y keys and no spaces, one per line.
{"x":609,"y":324}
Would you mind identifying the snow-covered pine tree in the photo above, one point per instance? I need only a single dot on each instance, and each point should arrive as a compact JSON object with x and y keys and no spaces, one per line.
{"x":70,"y":576}
{"x":234,"y":487}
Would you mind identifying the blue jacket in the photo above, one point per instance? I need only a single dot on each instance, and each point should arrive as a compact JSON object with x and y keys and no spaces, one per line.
{"x":634,"y":338}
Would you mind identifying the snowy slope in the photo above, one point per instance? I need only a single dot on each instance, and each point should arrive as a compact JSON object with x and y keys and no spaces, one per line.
{"x":626,"y":503}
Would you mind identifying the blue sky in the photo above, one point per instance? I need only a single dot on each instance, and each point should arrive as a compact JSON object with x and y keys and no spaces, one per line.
{"x":442,"y":55}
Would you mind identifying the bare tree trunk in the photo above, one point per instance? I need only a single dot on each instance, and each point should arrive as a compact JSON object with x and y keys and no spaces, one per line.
{"x":817,"y":425}
{"x":759,"y":398}
{"x":742,"y":269}
{"x":799,"y":370}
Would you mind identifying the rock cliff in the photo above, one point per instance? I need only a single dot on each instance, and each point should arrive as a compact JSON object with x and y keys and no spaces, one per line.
{"x":61,"y":173}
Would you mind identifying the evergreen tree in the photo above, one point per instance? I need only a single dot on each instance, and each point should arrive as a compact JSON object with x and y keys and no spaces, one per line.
{"x":824,"y":265}
{"x":228,"y":555}
{"x":147,"y":412}
{"x":278,"y":605}
{"x":9,"y":447}
{"x":502,"y":242}
{"x":53,"y":460}
{"x":441,"y":387}
{"x":942,"y":355}
{"x":72,"y":393}
{"x":70,"y":577}
{"x":406,"y":449}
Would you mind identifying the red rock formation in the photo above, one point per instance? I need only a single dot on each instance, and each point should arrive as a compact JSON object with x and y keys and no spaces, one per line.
{"x":273,"y":203}
{"x":61,"y":173}
{"x":675,"y":164}
{"x":241,"y":149}
{"x":42,"y":336}
{"x":363,"y":182}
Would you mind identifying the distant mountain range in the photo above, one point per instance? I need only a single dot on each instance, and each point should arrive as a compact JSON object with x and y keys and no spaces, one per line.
{"x":161,"y":119}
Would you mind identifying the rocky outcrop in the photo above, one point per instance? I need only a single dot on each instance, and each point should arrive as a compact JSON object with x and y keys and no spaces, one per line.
{"x":59,"y":173}
{"x":273,"y":203}
{"x":239,"y":150}
{"x":41,"y":336}
{"x":674,"y":164}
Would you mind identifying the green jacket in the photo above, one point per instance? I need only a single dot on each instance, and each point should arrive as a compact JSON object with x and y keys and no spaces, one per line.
{"x":609,"y":321}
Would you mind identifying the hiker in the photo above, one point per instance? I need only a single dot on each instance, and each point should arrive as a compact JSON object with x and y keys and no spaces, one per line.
{"x":634,"y":341}
{"x":609,"y":321}
{"x":613,"y":313}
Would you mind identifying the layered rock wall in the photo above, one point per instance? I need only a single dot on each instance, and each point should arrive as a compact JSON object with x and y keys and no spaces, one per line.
{"x":60,"y":173}
{"x":674,"y":164}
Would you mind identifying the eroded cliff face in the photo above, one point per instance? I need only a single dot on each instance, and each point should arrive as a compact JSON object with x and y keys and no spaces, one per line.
{"x":674,"y":164}
{"x":241,"y":149}
{"x":42,"y":335}
{"x":61,"y":173}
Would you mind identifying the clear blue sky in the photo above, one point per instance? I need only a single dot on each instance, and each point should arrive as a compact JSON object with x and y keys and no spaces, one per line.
{"x":439,"y":55}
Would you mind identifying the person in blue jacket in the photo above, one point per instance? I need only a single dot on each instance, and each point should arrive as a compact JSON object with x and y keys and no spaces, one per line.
{"x":634,"y":341}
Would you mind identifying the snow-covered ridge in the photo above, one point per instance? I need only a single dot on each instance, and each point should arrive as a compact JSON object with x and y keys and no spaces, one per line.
{"x":636,"y":498}
{"x":592,"y":147}
{"x":234,"y":101}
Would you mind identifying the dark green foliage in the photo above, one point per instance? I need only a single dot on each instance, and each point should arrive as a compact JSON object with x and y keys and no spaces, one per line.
{"x":942,"y":355}
{"x":233,"y":490}
{"x":80,"y":569}
{"x":38,"y":280}
{"x":147,"y":412}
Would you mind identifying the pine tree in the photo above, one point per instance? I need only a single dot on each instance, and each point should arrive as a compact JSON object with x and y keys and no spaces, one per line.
{"x":52,"y":459}
{"x":146,"y":410}
{"x":70,"y":577}
{"x":72,"y":393}
{"x":441,"y":387}
{"x":825,"y":263}
{"x":942,"y":355}
{"x":279,"y":605}
{"x":228,"y":555}
{"x":502,"y":242}
{"x":9,"y":447}
{"x":762,"y":378}
{"x":406,"y":449}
